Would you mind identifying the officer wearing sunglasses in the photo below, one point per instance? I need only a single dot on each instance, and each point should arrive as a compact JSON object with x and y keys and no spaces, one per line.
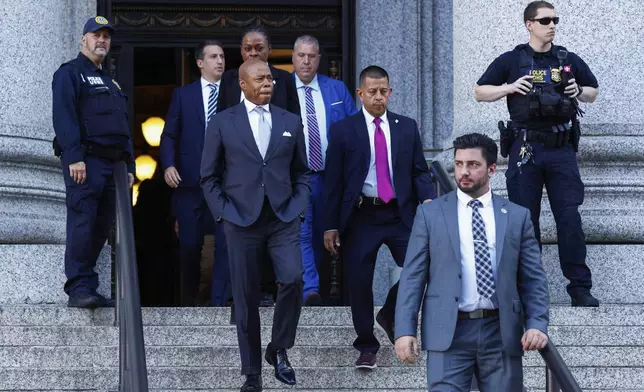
{"x":544,"y":84}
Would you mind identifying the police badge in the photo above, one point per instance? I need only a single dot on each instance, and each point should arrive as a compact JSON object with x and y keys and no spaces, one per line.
{"x":555,"y":75}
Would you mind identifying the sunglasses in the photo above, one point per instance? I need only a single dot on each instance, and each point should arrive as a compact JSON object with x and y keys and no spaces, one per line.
{"x":546,"y":21}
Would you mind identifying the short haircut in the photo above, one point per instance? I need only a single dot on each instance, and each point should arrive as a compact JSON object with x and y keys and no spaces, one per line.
{"x":477,"y":140}
{"x":257,"y":30}
{"x":306,"y":39}
{"x":199,"y":53}
{"x":373,"y":72}
{"x":531,"y":10}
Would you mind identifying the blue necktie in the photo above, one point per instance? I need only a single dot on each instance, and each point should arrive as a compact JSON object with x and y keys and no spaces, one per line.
{"x":482,"y":260}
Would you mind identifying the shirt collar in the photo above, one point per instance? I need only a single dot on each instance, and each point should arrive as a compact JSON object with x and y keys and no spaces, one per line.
{"x":251,"y":106}
{"x":464,"y":198}
{"x":205,"y":83}
{"x":314,"y":83}
{"x":370,"y":118}
{"x":87,"y":63}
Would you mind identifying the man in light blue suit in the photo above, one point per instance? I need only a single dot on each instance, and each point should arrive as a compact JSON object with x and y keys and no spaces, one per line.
{"x":474,"y":262}
{"x":323,"y":101}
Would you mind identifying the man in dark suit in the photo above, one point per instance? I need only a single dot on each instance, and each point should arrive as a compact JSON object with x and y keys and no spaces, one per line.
{"x":191,"y":108}
{"x":255,"y":45}
{"x":323,"y":101}
{"x":375,"y":177}
{"x":255,"y":176}
{"x":474,"y":261}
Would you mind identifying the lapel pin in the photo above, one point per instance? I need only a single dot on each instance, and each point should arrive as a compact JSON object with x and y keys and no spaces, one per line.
{"x":503,"y":210}
{"x":396,"y":121}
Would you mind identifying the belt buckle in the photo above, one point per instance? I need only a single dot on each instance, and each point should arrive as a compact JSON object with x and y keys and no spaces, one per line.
{"x":476,"y":314}
{"x":378,"y":201}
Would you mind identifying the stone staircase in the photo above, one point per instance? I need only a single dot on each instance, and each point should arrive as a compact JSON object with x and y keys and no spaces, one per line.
{"x":56,"y":348}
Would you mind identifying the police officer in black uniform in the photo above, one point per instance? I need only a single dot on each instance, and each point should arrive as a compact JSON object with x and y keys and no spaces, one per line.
{"x":92,"y":135}
{"x":543,"y":84}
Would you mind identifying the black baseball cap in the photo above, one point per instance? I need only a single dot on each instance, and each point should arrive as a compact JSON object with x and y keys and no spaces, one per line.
{"x":97,"y":23}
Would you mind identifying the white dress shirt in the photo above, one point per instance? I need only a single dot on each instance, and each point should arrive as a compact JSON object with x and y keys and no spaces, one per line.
{"x":320,"y":113}
{"x":205,"y":94}
{"x":253,"y":118}
{"x":370,"y":187}
{"x":470,"y":298}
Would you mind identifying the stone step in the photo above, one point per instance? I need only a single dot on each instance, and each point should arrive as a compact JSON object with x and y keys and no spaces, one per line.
{"x":617,"y":272}
{"x":625,"y":315}
{"x":618,"y":378}
{"x":306,"y":336}
{"x":68,"y":357}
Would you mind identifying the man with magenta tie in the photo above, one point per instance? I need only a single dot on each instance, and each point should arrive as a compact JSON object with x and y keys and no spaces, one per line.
{"x":375,"y":178}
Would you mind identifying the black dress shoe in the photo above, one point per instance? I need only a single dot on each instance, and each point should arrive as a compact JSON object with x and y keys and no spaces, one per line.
{"x":85,"y":301}
{"x":253,"y":383}
{"x":313,"y":299}
{"x":585,"y":300}
{"x":279,"y":360}
{"x":266,"y":301}
{"x":105,"y":302}
{"x":386,"y":325}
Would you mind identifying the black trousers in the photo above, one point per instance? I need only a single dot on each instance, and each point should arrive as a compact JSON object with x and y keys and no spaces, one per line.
{"x":248,"y":248}
{"x":370,"y":228}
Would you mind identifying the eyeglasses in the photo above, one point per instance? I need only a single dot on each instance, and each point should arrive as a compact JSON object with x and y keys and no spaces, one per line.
{"x":546,"y":21}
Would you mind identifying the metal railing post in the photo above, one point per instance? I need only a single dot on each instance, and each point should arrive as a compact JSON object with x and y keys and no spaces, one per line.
{"x":551,"y":382}
{"x":132,"y":364}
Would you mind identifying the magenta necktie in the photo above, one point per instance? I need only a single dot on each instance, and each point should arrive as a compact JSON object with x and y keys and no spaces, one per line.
{"x":385,"y":190}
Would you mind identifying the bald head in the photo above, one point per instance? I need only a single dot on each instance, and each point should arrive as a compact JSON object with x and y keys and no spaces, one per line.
{"x":256,"y":81}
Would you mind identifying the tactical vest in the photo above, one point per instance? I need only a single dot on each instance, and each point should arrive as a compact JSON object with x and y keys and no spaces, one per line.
{"x":546,"y":99}
{"x":102,"y":111}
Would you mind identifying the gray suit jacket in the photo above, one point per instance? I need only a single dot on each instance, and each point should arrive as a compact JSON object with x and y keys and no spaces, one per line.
{"x":433,"y":262}
{"x":234,"y":177}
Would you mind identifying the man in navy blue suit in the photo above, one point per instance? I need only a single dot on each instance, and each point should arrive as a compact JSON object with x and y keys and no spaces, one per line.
{"x":192,"y":107}
{"x":255,"y":176}
{"x":375,"y":178}
{"x":323,"y":101}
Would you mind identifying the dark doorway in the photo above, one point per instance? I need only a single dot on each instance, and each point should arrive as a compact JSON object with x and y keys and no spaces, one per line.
{"x":153,"y":53}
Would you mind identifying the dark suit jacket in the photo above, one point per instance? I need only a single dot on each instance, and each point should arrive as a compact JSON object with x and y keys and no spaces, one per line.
{"x":284,"y":93}
{"x":183,"y":134}
{"x":347,"y":166}
{"x":431,"y":275}
{"x":235,"y":178}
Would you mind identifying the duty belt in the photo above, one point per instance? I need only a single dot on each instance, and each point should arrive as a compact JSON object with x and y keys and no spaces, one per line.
{"x":554,"y":137}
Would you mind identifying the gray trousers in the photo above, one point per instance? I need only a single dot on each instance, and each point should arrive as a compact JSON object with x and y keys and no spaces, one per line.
{"x":475,"y":351}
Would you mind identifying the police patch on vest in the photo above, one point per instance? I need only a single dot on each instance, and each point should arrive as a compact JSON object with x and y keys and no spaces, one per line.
{"x":101,"y":20}
{"x":94,"y":80}
{"x":555,"y":75}
{"x":540,"y":75}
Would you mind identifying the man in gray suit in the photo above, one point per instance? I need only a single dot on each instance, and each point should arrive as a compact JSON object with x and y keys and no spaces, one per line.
{"x":474,"y":261}
{"x":255,"y":177}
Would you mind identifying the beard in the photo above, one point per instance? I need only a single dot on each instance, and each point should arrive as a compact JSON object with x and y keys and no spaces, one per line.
{"x":472,"y":188}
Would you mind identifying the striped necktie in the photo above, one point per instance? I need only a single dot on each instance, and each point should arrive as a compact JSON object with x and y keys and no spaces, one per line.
{"x":316,"y":162}
{"x":212,"y":102}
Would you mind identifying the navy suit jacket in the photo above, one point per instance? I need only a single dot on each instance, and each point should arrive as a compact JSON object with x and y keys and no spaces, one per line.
{"x":347,"y":165}
{"x":338,"y":102}
{"x":235,"y":178}
{"x":284,"y":94}
{"x":183,"y":134}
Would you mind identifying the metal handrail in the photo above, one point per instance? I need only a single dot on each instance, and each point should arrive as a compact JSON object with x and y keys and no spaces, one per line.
{"x":558,"y":375}
{"x":440,"y":178}
{"x":133,"y":375}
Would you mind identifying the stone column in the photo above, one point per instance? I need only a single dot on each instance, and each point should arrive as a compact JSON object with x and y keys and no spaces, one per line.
{"x":398,"y":36}
{"x":610,"y":156}
{"x":37,"y":36}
